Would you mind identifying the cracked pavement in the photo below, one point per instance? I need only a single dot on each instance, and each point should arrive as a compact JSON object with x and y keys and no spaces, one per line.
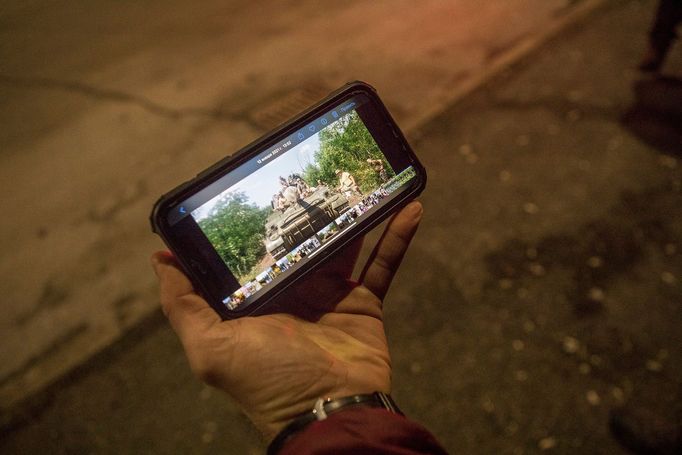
{"x":107,"y":106}
{"x":546,"y":294}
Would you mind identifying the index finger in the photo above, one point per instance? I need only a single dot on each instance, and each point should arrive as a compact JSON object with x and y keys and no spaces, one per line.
{"x":387,"y":255}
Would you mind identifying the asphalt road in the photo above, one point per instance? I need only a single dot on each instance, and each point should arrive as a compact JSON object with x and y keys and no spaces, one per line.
{"x":542,"y":291}
{"x":105,"y":106}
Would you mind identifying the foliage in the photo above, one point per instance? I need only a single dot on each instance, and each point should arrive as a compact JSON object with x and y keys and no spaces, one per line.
{"x":236,"y":230}
{"x":346,"y":145}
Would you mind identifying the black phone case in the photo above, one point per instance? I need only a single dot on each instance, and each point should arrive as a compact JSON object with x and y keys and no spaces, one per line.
{"x":169,"y":200}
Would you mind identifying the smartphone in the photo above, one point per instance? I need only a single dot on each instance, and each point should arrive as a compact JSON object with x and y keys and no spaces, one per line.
{"x":262,"y":219}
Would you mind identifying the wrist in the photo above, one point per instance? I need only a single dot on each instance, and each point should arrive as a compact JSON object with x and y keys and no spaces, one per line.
{"x":326,"y":406}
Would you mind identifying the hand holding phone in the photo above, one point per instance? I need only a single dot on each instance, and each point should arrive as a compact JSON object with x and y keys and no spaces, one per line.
{"x":254,"y":224}
{"x":276,"y":366}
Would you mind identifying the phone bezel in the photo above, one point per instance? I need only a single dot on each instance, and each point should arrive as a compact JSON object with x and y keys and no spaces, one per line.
{"x":193,"y":262}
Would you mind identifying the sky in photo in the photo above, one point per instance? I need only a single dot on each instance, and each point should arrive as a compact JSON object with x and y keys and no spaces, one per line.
{"x":264,"y":183}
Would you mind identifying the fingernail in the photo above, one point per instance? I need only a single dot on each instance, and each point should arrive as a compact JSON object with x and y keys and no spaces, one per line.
{"x":415,"y":209}
{"x":157,"y":259}
{"x":155,"y":264}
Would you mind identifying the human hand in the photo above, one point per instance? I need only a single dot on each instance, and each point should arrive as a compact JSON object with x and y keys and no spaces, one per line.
{"x":276,"y":366}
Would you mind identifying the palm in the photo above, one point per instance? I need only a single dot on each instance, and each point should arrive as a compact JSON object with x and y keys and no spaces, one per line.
{"x":277,"y":365}
{"x":270,"y":362}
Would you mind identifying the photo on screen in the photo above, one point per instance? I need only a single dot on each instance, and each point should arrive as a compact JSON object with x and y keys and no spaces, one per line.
{"x":296,"y":203}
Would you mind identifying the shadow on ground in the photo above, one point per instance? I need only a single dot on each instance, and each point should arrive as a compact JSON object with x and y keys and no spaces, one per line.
{"x":656,"y":116}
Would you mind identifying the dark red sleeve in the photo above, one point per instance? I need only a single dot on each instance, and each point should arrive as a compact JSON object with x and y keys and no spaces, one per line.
{"x":361,"y":430}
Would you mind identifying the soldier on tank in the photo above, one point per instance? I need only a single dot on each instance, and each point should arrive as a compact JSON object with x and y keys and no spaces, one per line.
{"x":378,"y":167}
{"x":347,"y":183}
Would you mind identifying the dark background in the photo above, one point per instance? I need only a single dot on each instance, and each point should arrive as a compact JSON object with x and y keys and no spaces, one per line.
{"x":542,"y":291}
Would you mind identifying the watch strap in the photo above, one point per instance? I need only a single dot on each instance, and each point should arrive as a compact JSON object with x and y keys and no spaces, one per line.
{"x":324,"y":407}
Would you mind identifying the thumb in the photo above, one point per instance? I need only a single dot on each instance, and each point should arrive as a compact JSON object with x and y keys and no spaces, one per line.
{"x":388,"y":253}
{"x":189,"y":314}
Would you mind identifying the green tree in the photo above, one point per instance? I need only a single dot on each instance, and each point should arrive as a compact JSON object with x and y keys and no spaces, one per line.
{"x":236,"y":229}
{"x":346,"y":145}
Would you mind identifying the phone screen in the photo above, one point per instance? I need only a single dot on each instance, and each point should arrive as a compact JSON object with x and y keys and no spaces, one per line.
{"x":275,"y":212}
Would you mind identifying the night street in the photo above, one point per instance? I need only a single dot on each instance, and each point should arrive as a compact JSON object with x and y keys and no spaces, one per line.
{"x":541,"y":294}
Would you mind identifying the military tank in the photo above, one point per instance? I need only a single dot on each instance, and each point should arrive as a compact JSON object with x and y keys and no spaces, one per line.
{"x":285,"y":230}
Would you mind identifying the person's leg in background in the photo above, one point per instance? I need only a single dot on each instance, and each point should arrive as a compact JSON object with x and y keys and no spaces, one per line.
{"x":662,"y":34}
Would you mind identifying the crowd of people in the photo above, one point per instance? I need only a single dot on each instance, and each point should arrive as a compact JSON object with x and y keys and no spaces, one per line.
{"x":293,"y":188}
